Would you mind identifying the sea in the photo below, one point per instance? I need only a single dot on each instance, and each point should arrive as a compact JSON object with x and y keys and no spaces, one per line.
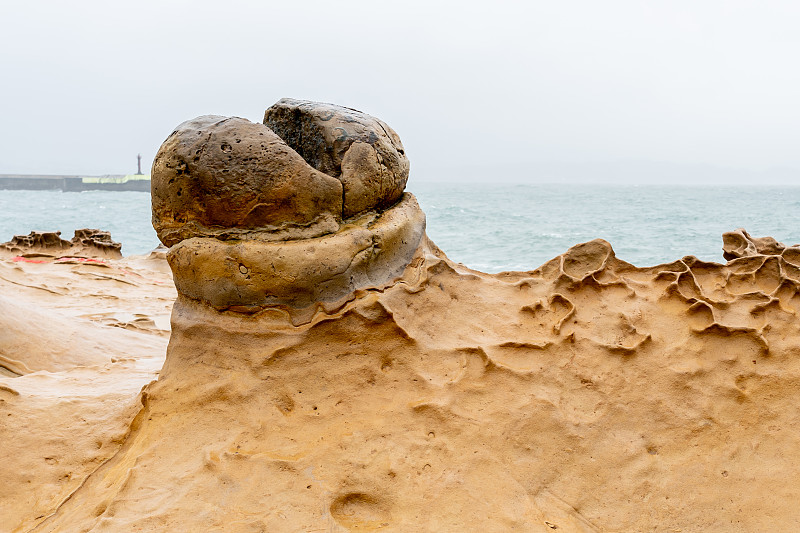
{"x":489,"y":227}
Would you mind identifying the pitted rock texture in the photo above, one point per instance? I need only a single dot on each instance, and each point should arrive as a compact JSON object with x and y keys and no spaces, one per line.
{"x":585,"y":395}
{"x":358,"y":149}
{"x":37,"y":240}
{"x":85,"y":243}
{"x":739,"y":243}
{"x":230,"y":178}
{"x":297,"y":177}
{"x":248,"y":276}
{"x":253,"y":224}
{"x":99,"y":239}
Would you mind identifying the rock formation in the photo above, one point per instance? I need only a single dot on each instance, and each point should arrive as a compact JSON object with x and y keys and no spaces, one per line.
{"x":253,"y":225}
{"x":364,"y":153}
{"x":333,"y":370}
{"x":85,"y":243}
{"x":78,"y":340}
{"x":739,"y":243}
{"x":303,"y":172}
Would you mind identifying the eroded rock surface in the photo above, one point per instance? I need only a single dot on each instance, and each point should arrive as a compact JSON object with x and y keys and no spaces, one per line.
{"x":298,"y":175}
{"x":364,"y":153}
{"x":562,"y":398}
{"x":258,"y":219}
{"x":78,"y":341}
{"x":739,"y":243}
{"x":249,"y":275}
{"x":362,"y":381}
{"x":85,"y":243}
{"x":230,"y":178}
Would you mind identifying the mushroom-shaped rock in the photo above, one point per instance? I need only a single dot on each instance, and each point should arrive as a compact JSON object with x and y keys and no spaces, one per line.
{"x":358,"y":149}
{"x":229,"y":177}
{"x":307,"y":213}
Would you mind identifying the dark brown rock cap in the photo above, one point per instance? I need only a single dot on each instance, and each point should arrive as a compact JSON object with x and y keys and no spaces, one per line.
{"x":306,"y":208}
{"x":299,"y":175}
{"x":364,"y":153}
{"x":737,"y":244}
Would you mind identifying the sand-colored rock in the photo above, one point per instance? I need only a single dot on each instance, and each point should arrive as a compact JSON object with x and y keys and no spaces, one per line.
{"x":32,"y":340}
{"x":362,"y":381}
{"x":230,"y":178}
{"x":248,"y":275}
{"x":587,"y":394}
{"x":78,"y":340}
{"x":87,"y":243}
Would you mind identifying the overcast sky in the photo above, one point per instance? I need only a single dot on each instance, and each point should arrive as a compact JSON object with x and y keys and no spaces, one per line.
{"x":524,"y":91}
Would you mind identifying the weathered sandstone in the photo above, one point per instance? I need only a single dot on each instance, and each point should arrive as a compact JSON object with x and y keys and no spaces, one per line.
{"x":85,"y":243}
{"x":574,"y":395}
{"x":359,"y":380}
{"x":739,"y":243}
{"x":229,"y":178}
{"x":250,"y":275}
{"x":364,"y":153}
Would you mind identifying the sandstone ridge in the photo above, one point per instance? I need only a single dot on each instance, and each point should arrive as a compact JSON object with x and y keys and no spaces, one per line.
{"x":328,"y":372}
{"x":299,"y":211}
{"x":455,"y":400}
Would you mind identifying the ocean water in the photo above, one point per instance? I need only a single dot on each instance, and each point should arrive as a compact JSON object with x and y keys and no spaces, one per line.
{"x":489,"y":227}
{"x":518,"y":227}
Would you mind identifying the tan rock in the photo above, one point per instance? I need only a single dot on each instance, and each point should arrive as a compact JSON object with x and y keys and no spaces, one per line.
{"x":362,"y":151}
{"x":78,"y":341}
{"x":739,"y":243}
{"x":249,"y":275}
{"x":567,"y":398}
{"x":362,"y":381}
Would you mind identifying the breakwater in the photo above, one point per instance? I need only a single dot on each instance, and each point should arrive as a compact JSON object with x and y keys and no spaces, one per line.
{"x":130,"y":182}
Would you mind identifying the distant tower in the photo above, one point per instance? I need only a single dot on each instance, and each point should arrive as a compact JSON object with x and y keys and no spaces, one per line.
{"x":139,"y":164}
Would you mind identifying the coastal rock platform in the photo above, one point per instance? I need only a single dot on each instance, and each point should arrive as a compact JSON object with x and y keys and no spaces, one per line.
{"x":356,"y":379}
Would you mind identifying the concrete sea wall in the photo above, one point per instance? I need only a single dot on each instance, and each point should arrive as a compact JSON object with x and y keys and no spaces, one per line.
{"x":131,"y":182}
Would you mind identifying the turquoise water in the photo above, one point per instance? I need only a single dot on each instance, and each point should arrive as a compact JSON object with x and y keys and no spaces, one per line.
{"x":489,"y":227}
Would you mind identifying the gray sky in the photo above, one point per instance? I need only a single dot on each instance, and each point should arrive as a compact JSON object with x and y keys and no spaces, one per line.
{"x":641,"y":91}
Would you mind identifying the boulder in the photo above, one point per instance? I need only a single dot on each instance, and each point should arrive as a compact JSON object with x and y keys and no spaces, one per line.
{"x":364,"y":153}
